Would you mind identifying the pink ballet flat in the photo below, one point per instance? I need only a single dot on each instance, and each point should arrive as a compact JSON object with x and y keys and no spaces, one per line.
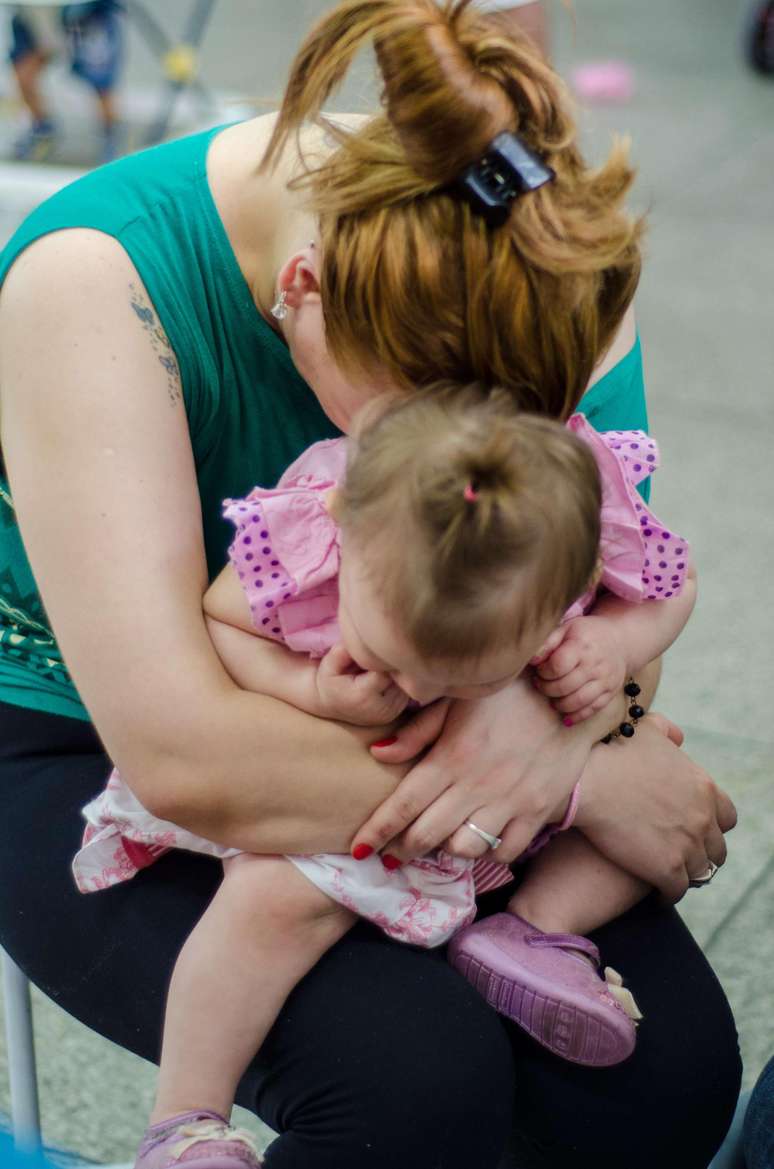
{"x":198,"y":1140}
{"x":546,"y":984}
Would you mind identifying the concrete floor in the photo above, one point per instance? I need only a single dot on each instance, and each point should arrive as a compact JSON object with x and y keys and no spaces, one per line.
{"x":703,"y":135}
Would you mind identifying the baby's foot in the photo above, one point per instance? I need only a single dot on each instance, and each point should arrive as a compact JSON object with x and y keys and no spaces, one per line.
{"x":550,"y":985}
{"x":198,"y":1140}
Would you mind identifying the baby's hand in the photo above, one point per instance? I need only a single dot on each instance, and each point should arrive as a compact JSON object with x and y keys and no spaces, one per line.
{"x":581,"y":667}
{"x":351,"y":695}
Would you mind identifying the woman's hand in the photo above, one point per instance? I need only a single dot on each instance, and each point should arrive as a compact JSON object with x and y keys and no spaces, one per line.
{"x":647,"y":806}
{"x":505,"y":762}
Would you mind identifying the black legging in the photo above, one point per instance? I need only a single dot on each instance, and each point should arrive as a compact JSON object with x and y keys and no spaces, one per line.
{"x":383,"y":1055}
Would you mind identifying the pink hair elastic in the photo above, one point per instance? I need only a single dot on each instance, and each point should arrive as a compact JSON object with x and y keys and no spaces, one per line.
{"x":470,"y":493}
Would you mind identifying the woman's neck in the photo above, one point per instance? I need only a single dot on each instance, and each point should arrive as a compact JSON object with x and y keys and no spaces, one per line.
{"x":265,"y":222}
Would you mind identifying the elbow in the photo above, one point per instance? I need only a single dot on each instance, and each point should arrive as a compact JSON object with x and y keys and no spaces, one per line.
{"x":165,"y":788}
{"x":171,"y":776}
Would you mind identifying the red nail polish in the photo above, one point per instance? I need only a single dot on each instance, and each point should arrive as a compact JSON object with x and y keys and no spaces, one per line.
{"x":391,"y":862}
{"x":567,"y":721}
{"x":386,"y":742}
{"x":361,"y":851}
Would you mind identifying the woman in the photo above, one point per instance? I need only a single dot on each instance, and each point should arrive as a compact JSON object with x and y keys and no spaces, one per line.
{"x":182,"y":308}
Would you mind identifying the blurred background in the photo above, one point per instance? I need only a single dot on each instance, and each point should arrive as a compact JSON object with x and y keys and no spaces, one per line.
{"x":689,"y":81}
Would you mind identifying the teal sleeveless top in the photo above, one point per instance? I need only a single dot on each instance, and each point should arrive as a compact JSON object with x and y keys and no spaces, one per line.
{"x":249,"y":412}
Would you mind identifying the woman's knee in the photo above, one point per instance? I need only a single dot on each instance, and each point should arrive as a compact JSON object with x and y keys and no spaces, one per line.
{"x":683,"y":1076}
{"x":405,"y":1062}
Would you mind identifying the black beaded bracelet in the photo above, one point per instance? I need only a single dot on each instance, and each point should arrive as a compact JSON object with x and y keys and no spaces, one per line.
{"x":625,"y":730}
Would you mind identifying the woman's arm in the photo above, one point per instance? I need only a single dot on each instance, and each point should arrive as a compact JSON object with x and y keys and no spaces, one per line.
{"x":645,"y":803}
{"x":653,"y":810}
{"x":505,"y":761}
{"x":97,"y":448}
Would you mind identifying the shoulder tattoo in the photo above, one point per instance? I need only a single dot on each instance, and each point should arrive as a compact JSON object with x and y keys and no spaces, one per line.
{"x":160,"y":342}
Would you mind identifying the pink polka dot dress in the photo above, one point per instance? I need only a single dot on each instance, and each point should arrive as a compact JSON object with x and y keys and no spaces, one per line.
{"x":286,"y":553}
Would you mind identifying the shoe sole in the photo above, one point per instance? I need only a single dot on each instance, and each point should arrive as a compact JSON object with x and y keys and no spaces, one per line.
{"x":212,"y":1163}
{"x":569,"y":1030}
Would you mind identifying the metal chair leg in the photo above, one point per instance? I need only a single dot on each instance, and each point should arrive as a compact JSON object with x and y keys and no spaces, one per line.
{"x":25,"y":1110}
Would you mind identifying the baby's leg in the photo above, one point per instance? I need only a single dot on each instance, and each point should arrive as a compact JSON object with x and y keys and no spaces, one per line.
{"x":263,"y":931}
{"x":569,"y":887}
{"x":533,"y":967}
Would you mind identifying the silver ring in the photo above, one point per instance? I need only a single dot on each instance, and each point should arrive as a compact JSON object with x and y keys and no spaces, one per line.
{"x":492,"y":841}
{"x":705,"y":878}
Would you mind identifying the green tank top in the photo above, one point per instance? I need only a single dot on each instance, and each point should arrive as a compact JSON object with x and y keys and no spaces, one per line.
{"x":249,"y":411}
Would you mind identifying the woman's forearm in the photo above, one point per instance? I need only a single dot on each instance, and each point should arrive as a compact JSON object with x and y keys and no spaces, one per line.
{"x":253,"y":773}
{"x":615,"y":760}
{"x":608,"y":718}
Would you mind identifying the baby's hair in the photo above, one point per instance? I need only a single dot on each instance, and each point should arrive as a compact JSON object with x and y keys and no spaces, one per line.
{"x":411,"y":278}
{"x":477,"y":522}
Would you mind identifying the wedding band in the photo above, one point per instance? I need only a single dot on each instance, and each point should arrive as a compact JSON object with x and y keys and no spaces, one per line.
{"x":705,"y":878}
{"x":492,"y":841}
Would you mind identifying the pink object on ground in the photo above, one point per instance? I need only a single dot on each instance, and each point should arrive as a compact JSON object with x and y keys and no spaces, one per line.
{"x":198,"y":1140}
{"x":604,"y":81}
{"x":544,"y":983}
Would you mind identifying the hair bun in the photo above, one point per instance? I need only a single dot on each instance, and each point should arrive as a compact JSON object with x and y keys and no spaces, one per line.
{"x":443,"y":107}
{"x":412,"y":281}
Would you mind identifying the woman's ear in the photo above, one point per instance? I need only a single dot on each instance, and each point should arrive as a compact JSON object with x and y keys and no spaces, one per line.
{"x":298,"y":278}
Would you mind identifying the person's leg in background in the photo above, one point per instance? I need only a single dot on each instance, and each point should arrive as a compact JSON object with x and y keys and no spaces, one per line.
{"x":96,"y":38}
{"x":111,"y":129}
{"x":759,"y":1122}
{"x":32,"y":47}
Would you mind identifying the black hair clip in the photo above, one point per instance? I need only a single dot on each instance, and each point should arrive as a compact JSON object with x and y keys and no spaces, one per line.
{"x":507,"y":170}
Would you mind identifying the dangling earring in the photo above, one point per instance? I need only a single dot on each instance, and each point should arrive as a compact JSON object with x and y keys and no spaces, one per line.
{"x":279,"y":309}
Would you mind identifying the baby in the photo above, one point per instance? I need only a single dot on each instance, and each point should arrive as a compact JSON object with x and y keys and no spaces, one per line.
{"x":443,"y":550}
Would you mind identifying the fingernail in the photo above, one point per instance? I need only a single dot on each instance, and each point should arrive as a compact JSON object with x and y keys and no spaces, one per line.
{"x":391,"y":862}
{"x":567,"y":721}
{"x":386,"y":742}
{"x":361,"y":851}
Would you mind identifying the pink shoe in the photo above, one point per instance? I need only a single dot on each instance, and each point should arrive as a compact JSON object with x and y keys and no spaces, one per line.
{"x":543,"y":983}
{"x":199,"y":1140}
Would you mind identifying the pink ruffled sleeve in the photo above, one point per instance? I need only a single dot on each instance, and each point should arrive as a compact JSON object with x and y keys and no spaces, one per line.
{"x":642,"y":558}
{"x":265,"y":579}
{"x":286,"y":553}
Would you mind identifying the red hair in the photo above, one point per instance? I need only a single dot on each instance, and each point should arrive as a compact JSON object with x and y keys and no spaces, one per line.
{"x":412,"y":280}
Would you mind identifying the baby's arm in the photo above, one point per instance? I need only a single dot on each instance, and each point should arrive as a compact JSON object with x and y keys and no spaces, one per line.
{"x":332,"y":687}
{"x":585,"y":662}
{"x":254,"y":662}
